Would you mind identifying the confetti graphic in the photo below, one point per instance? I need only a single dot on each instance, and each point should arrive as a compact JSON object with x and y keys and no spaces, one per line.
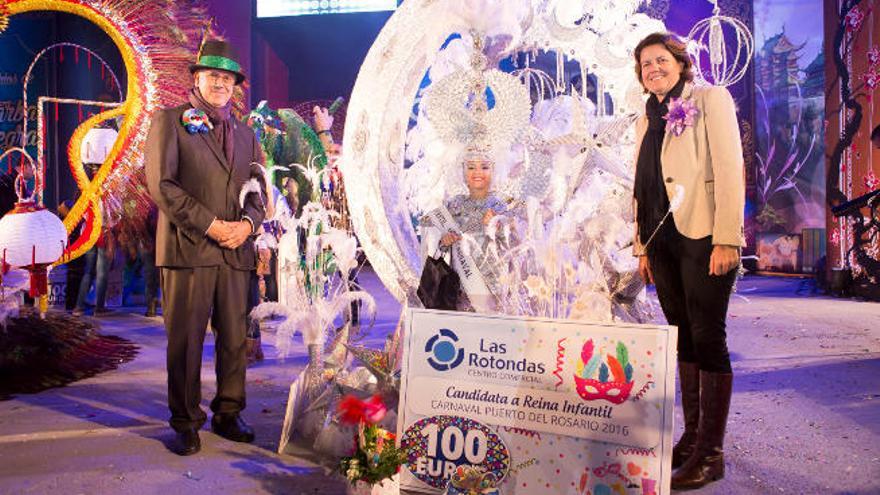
{"x":560,"y":361}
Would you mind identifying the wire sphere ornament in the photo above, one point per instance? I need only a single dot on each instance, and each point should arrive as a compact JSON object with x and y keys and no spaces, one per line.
{"x":712,"y":58}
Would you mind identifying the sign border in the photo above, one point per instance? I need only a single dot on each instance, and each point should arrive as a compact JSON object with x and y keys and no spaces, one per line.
{"x":668,"y":413}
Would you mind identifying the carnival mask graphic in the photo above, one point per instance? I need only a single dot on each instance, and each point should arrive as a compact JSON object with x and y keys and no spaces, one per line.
{"x":614,"y":388}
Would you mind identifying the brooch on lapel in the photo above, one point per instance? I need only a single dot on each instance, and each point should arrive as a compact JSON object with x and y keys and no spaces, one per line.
{"x":196,"y":121}
{"x":682,"y":114}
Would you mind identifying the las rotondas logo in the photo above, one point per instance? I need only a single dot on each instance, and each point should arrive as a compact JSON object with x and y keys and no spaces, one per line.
{"x":444,"y":351}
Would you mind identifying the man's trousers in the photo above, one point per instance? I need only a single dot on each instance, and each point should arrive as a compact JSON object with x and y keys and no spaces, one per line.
{"x":191,"y":297}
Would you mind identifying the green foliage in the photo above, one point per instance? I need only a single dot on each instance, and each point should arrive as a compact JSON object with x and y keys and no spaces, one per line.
{"x":377,"y":459}
{"x":769,"y":218}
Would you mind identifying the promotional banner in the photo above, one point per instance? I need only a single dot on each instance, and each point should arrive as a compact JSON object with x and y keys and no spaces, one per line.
{"x":23,"y":38}
{"x":538,"y":406}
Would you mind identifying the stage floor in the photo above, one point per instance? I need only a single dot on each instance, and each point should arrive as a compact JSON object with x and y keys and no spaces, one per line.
{"x":805,"y":416}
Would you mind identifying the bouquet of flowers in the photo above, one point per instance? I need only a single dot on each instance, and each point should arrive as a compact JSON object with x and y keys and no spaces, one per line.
{"x":375,"y":457}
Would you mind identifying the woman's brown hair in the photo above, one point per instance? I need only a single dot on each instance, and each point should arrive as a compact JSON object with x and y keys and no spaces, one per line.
{"x":674,"y":45}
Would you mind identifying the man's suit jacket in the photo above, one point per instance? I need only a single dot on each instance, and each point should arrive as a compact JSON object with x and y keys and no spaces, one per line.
{"x":193,"y":183}
{"x":707,"y":160}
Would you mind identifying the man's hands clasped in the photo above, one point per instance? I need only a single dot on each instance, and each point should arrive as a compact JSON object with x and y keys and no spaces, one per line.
{"x":230,"y":235}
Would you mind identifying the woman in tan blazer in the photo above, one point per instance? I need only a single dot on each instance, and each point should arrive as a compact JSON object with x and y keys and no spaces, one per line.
{"x":689,"y":154}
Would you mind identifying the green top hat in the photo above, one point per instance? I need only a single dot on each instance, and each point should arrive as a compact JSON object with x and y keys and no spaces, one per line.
{"x":216,"y":54}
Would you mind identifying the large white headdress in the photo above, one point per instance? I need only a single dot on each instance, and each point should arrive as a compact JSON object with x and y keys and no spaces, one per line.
{"x":473,"y":111}
{"x":477,"y":107}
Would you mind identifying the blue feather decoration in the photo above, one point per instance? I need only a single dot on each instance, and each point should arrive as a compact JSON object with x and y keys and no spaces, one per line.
{"x":591,"y":366}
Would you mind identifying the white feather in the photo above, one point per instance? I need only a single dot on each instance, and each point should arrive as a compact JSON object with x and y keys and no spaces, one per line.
{"x":263,"y":172}
{"x":344,"y":248}
{"x":302,"y":320}
{"x":251,"y":186}
{"x":345,"y":299}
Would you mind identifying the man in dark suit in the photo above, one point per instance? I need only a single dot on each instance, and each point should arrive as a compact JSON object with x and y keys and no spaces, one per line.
{"x":198,"y":159}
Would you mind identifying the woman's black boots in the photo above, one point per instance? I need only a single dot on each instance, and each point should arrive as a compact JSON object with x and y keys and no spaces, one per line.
{"x":707,"y":462}
{"x":689,"y":378}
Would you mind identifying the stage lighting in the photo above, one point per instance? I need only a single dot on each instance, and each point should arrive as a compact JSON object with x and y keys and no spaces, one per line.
{"x":280,"y":8}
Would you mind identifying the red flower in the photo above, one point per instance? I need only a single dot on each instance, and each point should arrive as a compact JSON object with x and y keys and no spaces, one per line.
{"x":354,"y":411}
{"x":874,"y":55}
{"x":350,"y":410}
{"x":871,"y":180}
{"x":854,"y":19}
{"x":872,"y":80}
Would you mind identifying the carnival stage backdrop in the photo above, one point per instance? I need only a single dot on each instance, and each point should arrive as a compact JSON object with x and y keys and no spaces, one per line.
{"x":64,"y":76}
{"x":852,"y":31}
{"x":789,"y":132}
{"x":780,"y":103}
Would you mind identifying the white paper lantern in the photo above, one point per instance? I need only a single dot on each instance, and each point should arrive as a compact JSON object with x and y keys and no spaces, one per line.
{"x":31,"y":235}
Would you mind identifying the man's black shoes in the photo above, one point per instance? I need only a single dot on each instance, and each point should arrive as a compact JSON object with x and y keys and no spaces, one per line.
{"x":232,"y":427}
{"x":188,"y":442}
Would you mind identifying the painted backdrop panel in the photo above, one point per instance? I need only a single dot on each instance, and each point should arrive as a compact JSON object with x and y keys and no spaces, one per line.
{"x":789,"y":119}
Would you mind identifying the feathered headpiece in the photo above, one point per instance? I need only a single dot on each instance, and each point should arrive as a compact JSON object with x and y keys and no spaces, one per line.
{"x":483,"y":110}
